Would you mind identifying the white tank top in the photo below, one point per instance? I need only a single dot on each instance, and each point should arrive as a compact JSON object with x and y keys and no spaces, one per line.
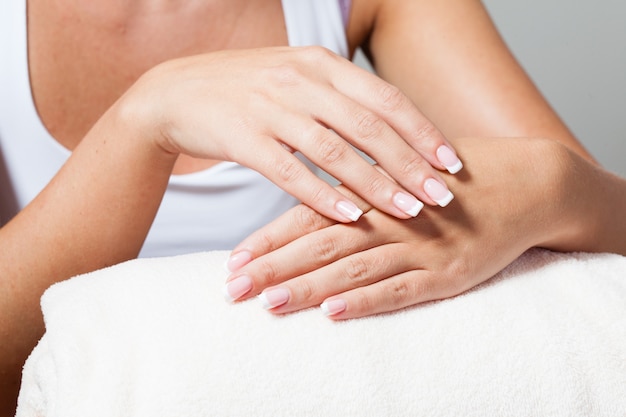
{"x":207,"y":210}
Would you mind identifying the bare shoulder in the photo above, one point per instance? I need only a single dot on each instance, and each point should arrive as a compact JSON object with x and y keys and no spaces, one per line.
{"x":368,"y":17}
{"x":361,"y":23}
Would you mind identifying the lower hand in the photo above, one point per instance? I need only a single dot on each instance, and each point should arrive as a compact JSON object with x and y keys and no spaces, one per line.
{"x":504,"y":206}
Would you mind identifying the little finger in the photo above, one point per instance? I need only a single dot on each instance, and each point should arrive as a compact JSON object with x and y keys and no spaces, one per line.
{"x":397,"y":292}
{"x":358,"y":270}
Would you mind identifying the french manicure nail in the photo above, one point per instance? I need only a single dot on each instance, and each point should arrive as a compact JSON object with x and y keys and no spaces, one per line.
{"x":274,"y":298}
{"x":238,"y":260}
{"x":332,"y":307}
{"x":236,"y":288}
{"x":438,"y":192}
{"x":349,"y":210}
{"x":449,"y":159}
{"x":407,"y":203}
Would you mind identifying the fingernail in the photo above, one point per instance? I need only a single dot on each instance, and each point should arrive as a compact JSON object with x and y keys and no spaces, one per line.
{"x":236,"y":288}
{"x":349,"y":210}
{"x":449,"y":159}
{"x":332,"y":307}
{"x":238,"y":260}
{"x":274,"y":298}
{"x":408,"y":204}
{"x":438,"y":192}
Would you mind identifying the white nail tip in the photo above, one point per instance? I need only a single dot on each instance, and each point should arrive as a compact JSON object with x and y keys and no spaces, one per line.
{"x":349,"y":210}
{"x":227,"y":296}
{"x":325,"y":309}
{"x":264,"y":301}
{"x":442,"y":202}
{"x":415,"y":210}
{"x":453,"y":169}
{"x":356,"y":215}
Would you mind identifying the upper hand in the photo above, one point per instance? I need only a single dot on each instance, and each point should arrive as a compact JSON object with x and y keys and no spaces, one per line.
{"x":256,"y":107}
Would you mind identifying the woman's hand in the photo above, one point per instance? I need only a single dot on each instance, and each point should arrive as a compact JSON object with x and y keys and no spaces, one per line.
{"x":257,"y":107}
{"x":513,"y":195}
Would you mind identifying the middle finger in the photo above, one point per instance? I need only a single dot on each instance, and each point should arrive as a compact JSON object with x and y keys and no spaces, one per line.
{"x":303,"y":255}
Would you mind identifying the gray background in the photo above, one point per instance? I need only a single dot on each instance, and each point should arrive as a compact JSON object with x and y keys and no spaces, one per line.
{"x":575,"y":51}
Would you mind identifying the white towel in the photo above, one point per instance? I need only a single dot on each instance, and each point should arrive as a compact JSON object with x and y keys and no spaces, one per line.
{"x":154,"y":337}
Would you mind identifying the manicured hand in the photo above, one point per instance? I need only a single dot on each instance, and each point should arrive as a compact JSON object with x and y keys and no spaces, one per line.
{"x":503,"y":207}
{"x":257,"y":107}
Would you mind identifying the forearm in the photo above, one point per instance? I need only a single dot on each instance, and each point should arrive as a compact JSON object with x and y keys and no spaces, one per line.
{"x":95,"y":212}
{"x":449,"y":58}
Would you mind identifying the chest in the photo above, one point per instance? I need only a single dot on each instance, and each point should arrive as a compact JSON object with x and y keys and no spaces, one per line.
{"x":85,"y":55}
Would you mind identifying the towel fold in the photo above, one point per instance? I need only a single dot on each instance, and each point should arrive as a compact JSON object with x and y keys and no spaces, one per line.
{"x":154,"y":337}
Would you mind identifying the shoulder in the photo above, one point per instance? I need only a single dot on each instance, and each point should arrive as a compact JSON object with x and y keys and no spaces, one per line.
{"x":369,"y":16}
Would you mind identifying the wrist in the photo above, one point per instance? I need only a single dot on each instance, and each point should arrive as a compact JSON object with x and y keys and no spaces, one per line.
{"x":140,"y":113}
{"x":587,"y":203}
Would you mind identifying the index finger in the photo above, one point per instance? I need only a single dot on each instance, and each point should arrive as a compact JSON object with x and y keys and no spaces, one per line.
{"x":399,"y":112}
{"x":295,"y":223}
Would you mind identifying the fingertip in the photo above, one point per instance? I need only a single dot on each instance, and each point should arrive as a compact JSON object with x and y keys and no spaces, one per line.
{"x":348,"y":210}
{"x":448,"y":158}
{"x":407,"y":203}
{"x":333,"y":307}
{"x":438,"y":192}
{"x":238,"y":259}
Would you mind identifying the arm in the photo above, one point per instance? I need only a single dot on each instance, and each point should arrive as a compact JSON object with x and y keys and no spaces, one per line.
{"x":449,"y":58}
{"x":233,"y":105}
{"x":95,"y":212}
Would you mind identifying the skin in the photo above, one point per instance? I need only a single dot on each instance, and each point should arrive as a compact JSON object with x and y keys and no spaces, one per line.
{"x":108,"y":79}
{"x":380,"y":264}
{"x":475,"y":236}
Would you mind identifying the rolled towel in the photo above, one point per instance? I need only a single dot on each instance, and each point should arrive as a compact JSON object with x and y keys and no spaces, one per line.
{"x":154,"y":337}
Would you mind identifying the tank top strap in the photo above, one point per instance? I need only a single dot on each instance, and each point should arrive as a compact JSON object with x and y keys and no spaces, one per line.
{"x":317,"y":22}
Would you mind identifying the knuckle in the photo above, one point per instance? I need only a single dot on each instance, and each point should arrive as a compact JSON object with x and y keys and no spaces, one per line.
{"x":391,"y":98}
{"x":285,"y":74}
{"x":368,"y":126}
{"x":317,"y":53}
{"x":307,"y":219}
{"x":266,"y":274}
{"x":331,"y":151}
{"x":399,"y":292}
{"x":357,"y":271}
{"x":306,"y":292}
{"x":265,"y":241}
{"x":403,"y":292}
{"x":324,"y":249}
{"x":316,"y":195}
{"x":362,"y":303}
{"x":288,"y":170}
{"x":426,"y":133}
{"x":376,"y":185}
{"x":409,"y":167}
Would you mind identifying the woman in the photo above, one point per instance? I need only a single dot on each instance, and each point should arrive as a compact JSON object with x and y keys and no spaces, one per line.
{"x":137,"y":103}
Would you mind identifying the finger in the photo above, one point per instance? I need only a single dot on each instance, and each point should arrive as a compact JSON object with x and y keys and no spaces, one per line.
{"x":366,"y":130}
{"x":295,"y":223}
{"x":285,"y":170}
{"x":397,"y":292}
{"x":333,"y":154}
{"x":313,"y":251}
{"x":388,"y":102}
{"x":355,"y":271}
